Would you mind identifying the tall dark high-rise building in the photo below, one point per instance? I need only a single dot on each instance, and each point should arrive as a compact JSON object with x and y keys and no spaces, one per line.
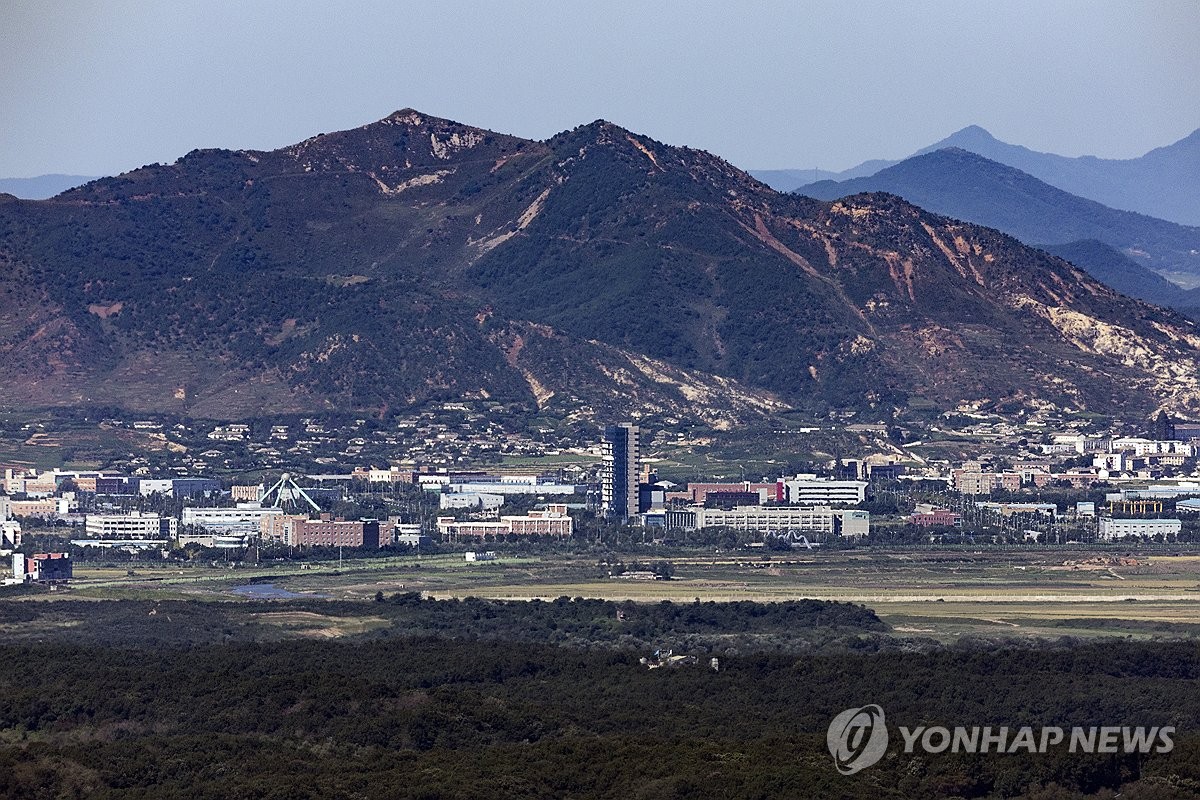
{"x":619,"y":478}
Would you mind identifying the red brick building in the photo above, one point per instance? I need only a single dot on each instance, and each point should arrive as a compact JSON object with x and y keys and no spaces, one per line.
{"x":328,"y":532}
{"x":937,"y":517}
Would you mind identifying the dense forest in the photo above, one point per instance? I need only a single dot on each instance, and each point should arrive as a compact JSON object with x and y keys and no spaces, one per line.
{"x":492,"y":708}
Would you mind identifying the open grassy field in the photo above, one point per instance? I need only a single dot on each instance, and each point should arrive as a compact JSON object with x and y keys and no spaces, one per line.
{"x":942,"y":595}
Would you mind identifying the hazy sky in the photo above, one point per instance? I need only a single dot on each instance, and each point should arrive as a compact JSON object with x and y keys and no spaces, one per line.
{"x":102,"y":87}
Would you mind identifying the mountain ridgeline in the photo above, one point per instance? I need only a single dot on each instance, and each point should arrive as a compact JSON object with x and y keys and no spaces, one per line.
{"x":964,"y":185}
{"x":1160,"y":183}
{"x":416,"y":259}
{"x":41,"y":187}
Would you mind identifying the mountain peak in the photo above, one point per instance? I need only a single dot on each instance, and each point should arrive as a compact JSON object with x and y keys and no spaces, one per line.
{"x":971,"y":136}
{"x":949,"y":157}
{"x":413,"y":118}
{"x":973,"y":130}
{"x":603,"y":132}
{"x":599,"y":128}
{"x":406,"y":139}
{"x":405,"y":116}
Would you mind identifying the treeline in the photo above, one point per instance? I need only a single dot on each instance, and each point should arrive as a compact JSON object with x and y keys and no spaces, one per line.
{"x":429,"y":717}
{"x":714,"y":627}
{"x":703,"y":628}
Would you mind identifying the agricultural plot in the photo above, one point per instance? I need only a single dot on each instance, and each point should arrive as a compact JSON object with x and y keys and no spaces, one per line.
{"x":941,"y":595}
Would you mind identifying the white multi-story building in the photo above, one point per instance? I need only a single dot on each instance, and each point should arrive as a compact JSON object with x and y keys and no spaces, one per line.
{"x":811,"y":490}
{"x":782,"y":519}
{"x":1150,"y":447}
{"x":854,"y":522}
{"x":554,"y":521}
{"x":10,"y":534}
{"x":135,"y":525}
{"x":484,"y":502}
{"x":246,"y":518}
{"x":1120,"y":528}
{"x":215,"y":541}
{"x":1156,"y":491}
{"x":245,"y":493}
{"x":163,"y":486}
{"x":1119,"y":461}
{"x":505,"y":486}
{"x":389,"y":475}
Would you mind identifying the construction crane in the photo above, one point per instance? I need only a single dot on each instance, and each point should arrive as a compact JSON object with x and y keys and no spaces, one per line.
{"x":288,"y":495}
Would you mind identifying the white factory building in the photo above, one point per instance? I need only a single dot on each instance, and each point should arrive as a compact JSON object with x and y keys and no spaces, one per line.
{"x":510,"y":484}
{"x":1120,"y":528}
{"x":777,"y":519}
{"x":242,"y":520}
{"x":135,"y":525}
{"x":809,"y":490}
{"x":480,"y":500}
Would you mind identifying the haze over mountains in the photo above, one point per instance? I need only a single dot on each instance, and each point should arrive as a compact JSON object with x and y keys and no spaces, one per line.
{"x":41,"y":187}
{"x":1160,"y":183}
{"x":968,"y":186}
{"x":417,"y":259}
{"x":1115,"y":269}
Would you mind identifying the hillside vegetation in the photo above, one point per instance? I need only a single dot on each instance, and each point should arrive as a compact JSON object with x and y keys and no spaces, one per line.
{"x":416,"y":259}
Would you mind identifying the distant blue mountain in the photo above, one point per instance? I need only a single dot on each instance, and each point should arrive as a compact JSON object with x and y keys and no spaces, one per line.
{"x":788,"y":180}
{"x":42,"y":186}
{"x":1113,"y":268}
{"x":1163,"y":183}
{"x":967,"y":186}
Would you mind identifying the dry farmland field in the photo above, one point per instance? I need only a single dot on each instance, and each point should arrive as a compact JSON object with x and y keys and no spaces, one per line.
{"x":942,"y":595}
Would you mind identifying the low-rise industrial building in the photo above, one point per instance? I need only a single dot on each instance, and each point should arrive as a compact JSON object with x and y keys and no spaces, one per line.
{"x":774,"y":519}
{"x":554,"y":521}
{"x":47,"y":508}
{"x":813,"y":491}
{"x":135,"y":525}
{"x":479,"y":500}
{"x":178,"y":487}
{"x":1120,"y":528}
{"x":1011,"y":509}
{"x":216,"y":541}
{"x":697,"y":493}
{"x":413,"y":540}
{"x":502,"y":484}
{"x":246,"y":518}
{"x":935,"y":517}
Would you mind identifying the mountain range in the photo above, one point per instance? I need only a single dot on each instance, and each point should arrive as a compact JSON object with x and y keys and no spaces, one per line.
{"x":965,"y":185}
{"x":597,"y":274}
{"x":41,"y":187}
{"x":1160,"y":183}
